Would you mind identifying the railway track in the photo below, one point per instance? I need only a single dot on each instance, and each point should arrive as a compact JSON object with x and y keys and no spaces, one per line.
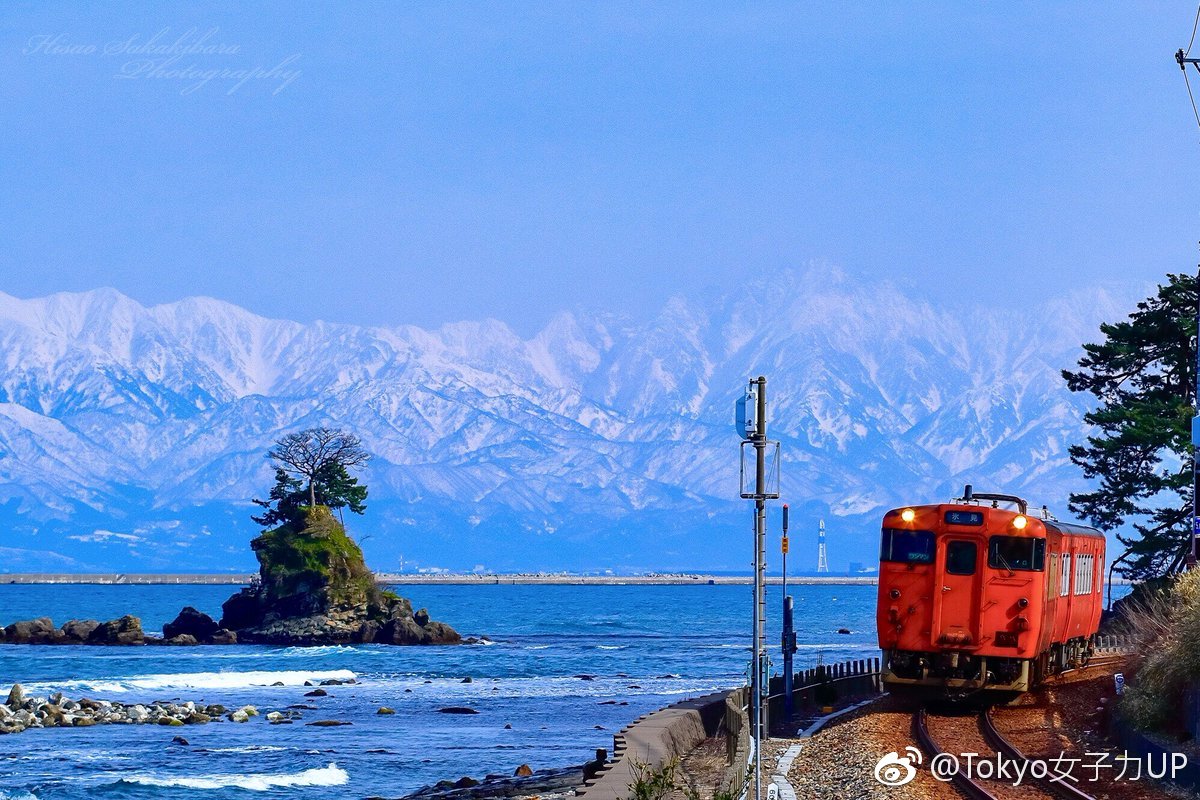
{"x":962,"y":736}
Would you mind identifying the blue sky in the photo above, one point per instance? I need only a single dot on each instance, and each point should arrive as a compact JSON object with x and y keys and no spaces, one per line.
{"x":456,"y":161}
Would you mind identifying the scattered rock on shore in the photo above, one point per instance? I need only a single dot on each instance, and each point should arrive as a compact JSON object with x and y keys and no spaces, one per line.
{"x":525,"y":782}
{"x":21,"y":712}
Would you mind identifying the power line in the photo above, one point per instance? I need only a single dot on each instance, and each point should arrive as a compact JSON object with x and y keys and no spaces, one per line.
{"x":1188,"y":84}
{"x":1194,"y":26}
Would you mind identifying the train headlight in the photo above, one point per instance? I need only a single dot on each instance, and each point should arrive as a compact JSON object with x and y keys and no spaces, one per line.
{"x":1023,"y":602}
{"x":894,"y":594}
{"x":908,"y":515}
{"x":1020,"y":521}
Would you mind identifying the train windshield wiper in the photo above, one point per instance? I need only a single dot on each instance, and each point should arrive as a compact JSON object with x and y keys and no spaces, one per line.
{"x":1004,"y":563}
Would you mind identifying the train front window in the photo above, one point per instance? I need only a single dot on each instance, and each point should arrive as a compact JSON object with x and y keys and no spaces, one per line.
{"x":907,"y":547}
{"x":960,"y":558}
{"x":1017,"y":553}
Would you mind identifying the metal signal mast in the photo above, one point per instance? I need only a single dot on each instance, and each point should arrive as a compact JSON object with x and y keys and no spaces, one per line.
{"x":822,"y":556}
{"x":751,"y":422}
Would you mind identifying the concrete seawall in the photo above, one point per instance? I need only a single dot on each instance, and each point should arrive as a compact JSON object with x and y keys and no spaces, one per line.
{"x":658,"y":738}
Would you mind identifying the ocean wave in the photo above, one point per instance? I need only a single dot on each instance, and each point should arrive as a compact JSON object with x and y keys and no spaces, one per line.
{"x":318,"y":650}
{"x":331,"y":775}
{"x":20,"y":794}
{"x":837,"y":646}
{"x":538,"y":647}
{"x":249,"y":748}
{"x":611,"y":646}
{"x":194,"y":680}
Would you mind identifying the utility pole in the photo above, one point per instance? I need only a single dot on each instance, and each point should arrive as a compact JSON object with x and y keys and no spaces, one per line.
{"x":752,"y":425}
{"x":1191,"y":562}
{"x":1181,"y":58}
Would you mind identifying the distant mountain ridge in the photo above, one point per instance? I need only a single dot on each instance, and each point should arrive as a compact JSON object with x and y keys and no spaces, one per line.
{"x":132,"y":437}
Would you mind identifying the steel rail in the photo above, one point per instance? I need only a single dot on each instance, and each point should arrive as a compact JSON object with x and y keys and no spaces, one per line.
{"x":993,"y":736}
{"x":964,"y":784}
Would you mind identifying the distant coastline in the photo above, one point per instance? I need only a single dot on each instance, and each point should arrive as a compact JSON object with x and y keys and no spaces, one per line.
{"x":442,"y":579}
{"x":453,"y":579}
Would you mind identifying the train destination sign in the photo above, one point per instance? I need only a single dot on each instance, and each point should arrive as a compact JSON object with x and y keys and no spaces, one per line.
{"x":964,"y":517}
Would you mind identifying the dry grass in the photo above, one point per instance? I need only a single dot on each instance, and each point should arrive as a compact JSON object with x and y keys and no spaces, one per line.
{"x":1166,"y":660}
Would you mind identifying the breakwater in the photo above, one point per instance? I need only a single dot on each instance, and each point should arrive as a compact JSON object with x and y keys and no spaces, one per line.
{"x":405,"y":579}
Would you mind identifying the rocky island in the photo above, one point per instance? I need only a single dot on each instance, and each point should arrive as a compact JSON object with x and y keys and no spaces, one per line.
{"x":313,"y":588}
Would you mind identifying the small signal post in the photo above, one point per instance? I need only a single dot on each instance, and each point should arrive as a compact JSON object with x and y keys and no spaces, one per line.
{"x":789,"y":630}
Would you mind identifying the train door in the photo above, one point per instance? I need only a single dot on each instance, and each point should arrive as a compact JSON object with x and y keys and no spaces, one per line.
{"x":957,"y":619}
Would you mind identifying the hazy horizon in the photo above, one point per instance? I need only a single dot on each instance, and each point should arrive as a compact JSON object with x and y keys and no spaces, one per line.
{"x":427,"y":165}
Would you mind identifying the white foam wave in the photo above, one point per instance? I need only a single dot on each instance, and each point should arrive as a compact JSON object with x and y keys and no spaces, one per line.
{"x":320,"y":650}
{"x":611,"y":646}
{"x":331,"y":775}
{"x":20,"y":795}
{"x":249,"y":748}
{"x":538,"y":647}
{"x":195,"y":680}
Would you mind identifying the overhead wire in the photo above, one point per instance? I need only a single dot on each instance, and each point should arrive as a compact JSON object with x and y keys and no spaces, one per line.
{"x":1195,"y":24}
{"x":1195,"y":112}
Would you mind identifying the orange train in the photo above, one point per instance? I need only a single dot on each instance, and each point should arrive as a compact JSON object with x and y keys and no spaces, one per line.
{"x":973,"y":596}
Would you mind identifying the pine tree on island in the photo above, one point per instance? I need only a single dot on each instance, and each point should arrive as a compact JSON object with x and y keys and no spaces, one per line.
{"x":319,"y":459}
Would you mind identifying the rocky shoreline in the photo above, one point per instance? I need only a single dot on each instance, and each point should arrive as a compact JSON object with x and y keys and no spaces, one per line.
{"x":124,"y":631}
{"x":21,"y":713}
{"x":525,"y":782}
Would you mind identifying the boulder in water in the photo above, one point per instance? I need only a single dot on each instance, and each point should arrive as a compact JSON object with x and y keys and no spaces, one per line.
{"x":126,"y":630}
{"x":191,"y":622}
{"x":33,"y":631}
{"x":77,"y":631}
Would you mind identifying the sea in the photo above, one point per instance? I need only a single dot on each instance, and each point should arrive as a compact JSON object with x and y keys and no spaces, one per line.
{"x":564,"y":669}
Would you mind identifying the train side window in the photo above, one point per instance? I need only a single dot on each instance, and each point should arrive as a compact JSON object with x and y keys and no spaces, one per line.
{"x":961,"y":557}
{"x":1084,"y":563}
{"x":1064,"y":588}
{"x":907,"y":547}
{"x":1017,"y":553}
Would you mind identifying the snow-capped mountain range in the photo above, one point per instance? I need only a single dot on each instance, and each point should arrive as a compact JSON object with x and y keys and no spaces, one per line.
{"x":132,"y":438}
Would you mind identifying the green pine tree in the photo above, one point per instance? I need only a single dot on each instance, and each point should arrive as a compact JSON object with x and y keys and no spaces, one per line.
{"x":288,"y":503}
{"x":1143,"y":375}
